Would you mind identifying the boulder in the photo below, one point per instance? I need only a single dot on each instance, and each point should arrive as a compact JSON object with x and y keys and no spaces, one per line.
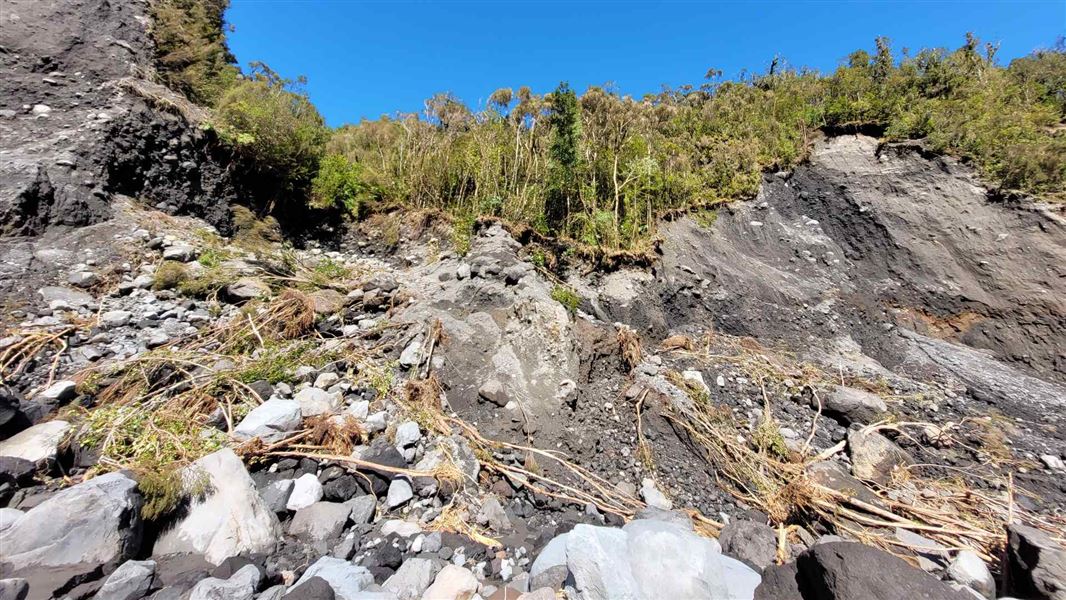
{"x":131,"y":581}
{"x":314,"y":401}
{"x":328,"y":301}
{"x":63,"y":294}
{"x":8,"y":516}
{"x":271,"y":421}
{"x":239,"y":586}
{"x":180,"y":252}
{"x":851,"y":571}
{"x":92,"y":526}
{"x":751,"y":542}
{"x":306,"y":490}
{"x":850,"y":405}
{"x":346,"y":579}
{"x":36,"y":444}
{"x":229,"y":519}
{"x":362,"y":508}
{"x":276,"y":495}
{"x":452,"y":583}
{"x":247,"y":288}
{"x":968,"y":569}
{"x":115,"y":318}
{"x":873,"y":456}
{"x":314,"y":588}
{"x":320,"y":522}
{"x":412,"y":579}
{"x":14,"y":589}
{"x":399,"y":492}
{"x":1036,"y":565}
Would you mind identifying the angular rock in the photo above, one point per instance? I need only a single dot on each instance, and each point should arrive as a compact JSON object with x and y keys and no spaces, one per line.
{"x":346,"y":579}
{"x":362,"y":508}
{"x":328,"y":301}
{"x":968,"y":569}
{"x":452,"y":583}
{"x":653,"y":497}
{"x":407,"y":433}
{"x":873,"y":456}
{"x":412,"y":353}
{"x":240,"y":586}
{"x":851,"y":571}
{"x":493,"y":515}
{"x":276,"y":495}
{"x":399,"y":492}
{"x":493,"y":391}
{"x":271,"y":421}
{"x":180,"y":253}
{"x":306,"y":491}
{"x":412,"y":579}
{"x":314,"y":401}
{"x":229,"y":519}
{"x":1036,"y":565}
{"x":14,"y":589}
{"x":751,"y":542}
{"x":115,"y":318}
{"x":36,"y":444}
{"x":67,"y":295}
{"x":850,"y":405}
{"x":320,"y":522}
{"x":247,"y":288}
{"x":92,"y":525}
{"x":131,"y":581}
{"x":598,"y":560}
{"x":314,"y":588}
{"x":59,"y":392}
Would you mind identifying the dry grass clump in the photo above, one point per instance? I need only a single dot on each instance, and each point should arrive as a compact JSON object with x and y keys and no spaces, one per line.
{"x":29,"y":345}
{"x":629,"y":347}
{"x":336,"y":434}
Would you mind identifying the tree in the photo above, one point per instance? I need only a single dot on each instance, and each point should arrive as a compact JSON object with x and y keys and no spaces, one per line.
{"x":565,"y":122}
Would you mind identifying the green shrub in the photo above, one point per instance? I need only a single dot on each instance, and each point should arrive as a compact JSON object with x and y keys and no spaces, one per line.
{"x":339,"y":184}
{"x":275,"y":128}
{"x":567,"y":297}
{"x":169,"y":275}
{"x":191,"y":50}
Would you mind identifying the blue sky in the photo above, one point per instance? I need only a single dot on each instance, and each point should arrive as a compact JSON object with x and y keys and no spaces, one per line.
{"x":365,"y":59}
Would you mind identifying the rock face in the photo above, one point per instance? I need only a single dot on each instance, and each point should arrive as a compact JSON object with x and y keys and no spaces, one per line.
{"x":1036,"y":565}
{"x":93,"y":525}
{"x":644,"y":559}
{"x":230,"y":519}
{"x":851,"y":571}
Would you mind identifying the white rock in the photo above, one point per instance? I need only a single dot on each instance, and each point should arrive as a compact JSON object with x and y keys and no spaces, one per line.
{"x":653,"y":497}
{"x":412,"y":579}
{"x":696,"y":378}
{"x":8,"y":516}
{"x":407,"y":433}
{"x":131,"y":581}
{"x":968,"y":569}
{"x":412,"y":354}
{"x":240,"y":586}
{"x":115,"y":318}
{"x":346,"y":579}
{"x":38,"y":443}
{"x":270,"y":421}
{"x":180,"y":252}
{"x":359,"y":409}
{"x":60,"y":391}
{"x":314,"y":401}
{"x":326,"y":380}
{"x":452,"y":583}
{"x":1052,"y":462}
{"x":404,"y":529}
{"x":399,"y":492}
{"x":230,"y":519}
{"x":306,"y":490}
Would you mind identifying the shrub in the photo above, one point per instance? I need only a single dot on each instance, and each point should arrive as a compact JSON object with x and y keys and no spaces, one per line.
{"x":275,"y":128}
{"x":339,"y":184}
{"x":567,"y":297}
{"x":191,"y":49}
{"x":169,"y":275}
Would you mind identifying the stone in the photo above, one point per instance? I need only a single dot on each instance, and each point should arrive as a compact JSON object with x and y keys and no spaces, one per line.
{"x":399,"y":492}
{"x":131,"y":581}
{"x":494,"y":392}
{"x":362,"y":508}
{"x":873,"y":456}
{"x":341,"y":489}
{"x":541,"y":594}
{"x":240,"y":586}
{"x":653,"y":497}
{"x":8,"y":516}
{"x":328,"y":301}
{"x":66,"y":295}
{"x":412,"y":353}
{"x":229,"y":519}
{"x":83,"y":279}
{"x":115,"y":318}
{"x":851,"y":571}
{"x":276,"y":494}
{"x":36,"y":444}
{"x":89,"y":526}
{"x":598,"y":560}
{"x":407,"y":434}
{"x":17,"y":471}
{"x":412,"y":579}
{"x":1036,"y":565}
{"x":271,"y":421}
{"x":59,"y":392}
{"x":314,"y":588}
{"x":325,"y":380}
{"x":247,"y":288}
{"x":493,"y":515}
{"x":452,"y":583}
{"x":306,"y":491}
{"x":463,"y":271}
{"x":314,"y":401}
{"x":277,"y":592}
{"x":931,"y":555}
{"x":404,"y":529}
{"x":968,"y":569}
{"x":180,"y":253}
{"x":14,"y":589}
{"x":346,"y":579}
{"x":850,"y":405}
{"x":751,"y":542}
{"x":320,"y":522}
{"x":695,"y":378}
{"x":1052,"y":462}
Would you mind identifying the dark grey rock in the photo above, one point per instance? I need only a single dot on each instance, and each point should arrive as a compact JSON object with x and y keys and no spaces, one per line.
{"x":1036,"y":566}
{"x":751,"y":542}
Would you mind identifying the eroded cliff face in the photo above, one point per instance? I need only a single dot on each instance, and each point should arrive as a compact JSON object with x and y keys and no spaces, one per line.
{"x":81,"y":121}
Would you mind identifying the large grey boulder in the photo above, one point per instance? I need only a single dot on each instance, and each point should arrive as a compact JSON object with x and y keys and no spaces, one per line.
{"x":644,"y":559}
{"x":314,"y":401}
{"x":319,"y":522}
{"x":412,"y":579}
{"x":850,"y":405}
{"x":751,"y":542}
{"x":1036,"y":565}
{"x":968,"y":569}
{"x":92,"y":526}
{"x":131,"y":581}
{"x":229,"y":519}
{"x":452,"y":583}
{"x":271,"y":421}
{"x":239,"y":586}
{"x":873,"y":456}
{"x":346,"y":579}
{"x":852,"y":571}
{"x":36,"y":444}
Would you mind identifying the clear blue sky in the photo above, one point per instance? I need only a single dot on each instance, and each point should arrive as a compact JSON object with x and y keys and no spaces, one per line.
{"x":365,"y":59}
